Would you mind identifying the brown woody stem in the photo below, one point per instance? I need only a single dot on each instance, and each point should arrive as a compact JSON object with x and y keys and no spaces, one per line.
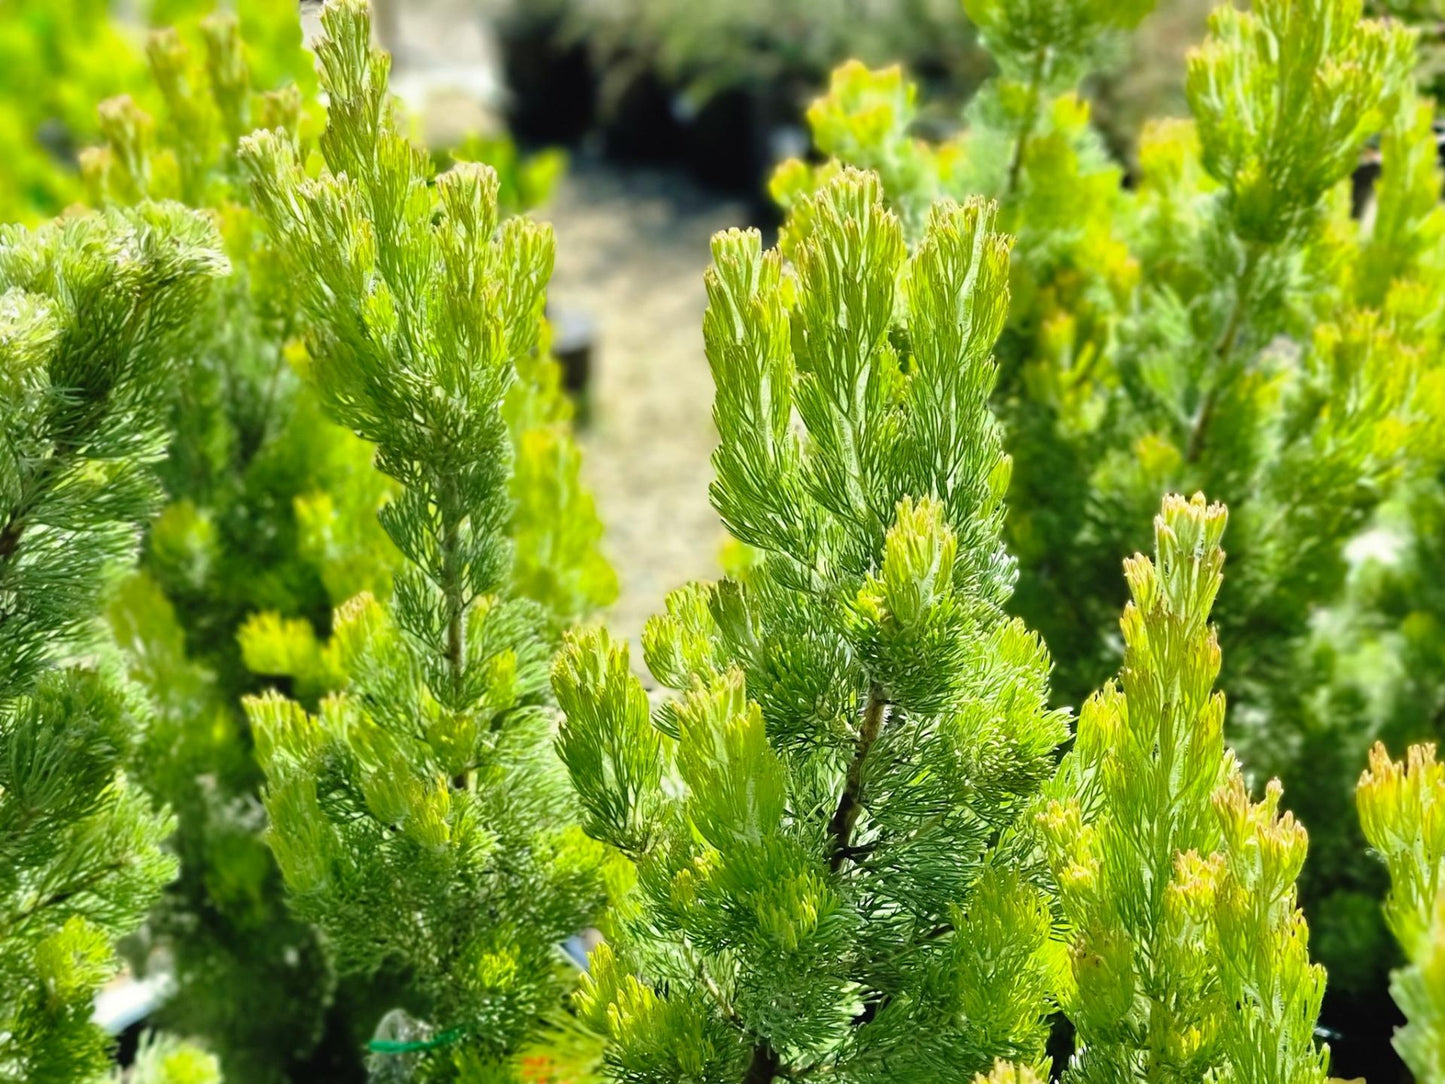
{"x":850,"y":802}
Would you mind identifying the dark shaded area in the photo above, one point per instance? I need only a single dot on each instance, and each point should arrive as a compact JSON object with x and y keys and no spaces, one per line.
{"x":553,"y":88}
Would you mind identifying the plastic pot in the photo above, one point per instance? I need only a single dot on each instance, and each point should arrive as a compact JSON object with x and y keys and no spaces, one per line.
{"x":552,"y":85}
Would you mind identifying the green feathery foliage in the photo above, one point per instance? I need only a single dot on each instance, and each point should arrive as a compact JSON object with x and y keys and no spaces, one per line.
{"x":1222,"y":325}
{"x":1377,"y":656}
{"x":59,"y":57}
{"x":420,"y":818}
{"x":836,"y":794}
{"x":1427,"y":17}
{"x":94,"y":312}
{"x":1043,"y":43}
{"x":1402,"y":808}
{"x":1190,"y":957}
{"x":246,"y":438}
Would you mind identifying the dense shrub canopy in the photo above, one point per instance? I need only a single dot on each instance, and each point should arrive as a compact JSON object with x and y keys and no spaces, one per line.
{"x":299,"y":702}
{"x":1222,"y":324}
{"x":824,"y":827}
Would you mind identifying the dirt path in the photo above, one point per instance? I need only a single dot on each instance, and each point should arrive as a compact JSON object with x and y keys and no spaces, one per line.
{"x":631,"y":249}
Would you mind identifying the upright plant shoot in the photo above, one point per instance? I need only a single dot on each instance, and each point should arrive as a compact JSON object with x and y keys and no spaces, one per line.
{"x":420,"y":818}
{"x":821,"y":829}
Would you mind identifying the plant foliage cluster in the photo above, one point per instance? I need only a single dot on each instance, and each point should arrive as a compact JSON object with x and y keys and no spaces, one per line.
{"x":299,"y":701}
{"x":1223,"y":323}
{"x":838,"y":791}
{"x":95,"y":314}
{"x":419,"y":817}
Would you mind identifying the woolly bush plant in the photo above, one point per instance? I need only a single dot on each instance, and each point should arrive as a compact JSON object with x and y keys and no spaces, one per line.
{"x":271,"y":522}
{"x":162,"y":1059}
{"x":825,"y":872}
{"x":1401,"y":807}
{"x":1190,"y":957}
{"x":247,"y":453}
{"x":94,"y":312}
{"x":833,"y":834}
{"x":420,"y":818}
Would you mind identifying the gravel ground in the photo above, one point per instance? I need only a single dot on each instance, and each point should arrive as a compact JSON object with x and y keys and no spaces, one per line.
{"x":631,"y":249}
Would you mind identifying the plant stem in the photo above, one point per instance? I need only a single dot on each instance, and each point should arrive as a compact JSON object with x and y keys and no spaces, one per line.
{"x":764,"y":1066}
{"x":1201,"y":427}
{"x":1026,"y":130}
{"x":1223,"y":353}
{"x":451,"y":574}
{"x":850,"y":802}
{"x":451,"y":542}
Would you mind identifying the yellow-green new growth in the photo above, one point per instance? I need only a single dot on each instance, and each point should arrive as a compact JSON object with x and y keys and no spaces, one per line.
{"x":1190,"y":956}
{"x":1284,"y":95}
{"x":1226,"y":324}
{"x":162,"y":1059}
{"x":1005,"y":1073}
{"x":1402,"y":808}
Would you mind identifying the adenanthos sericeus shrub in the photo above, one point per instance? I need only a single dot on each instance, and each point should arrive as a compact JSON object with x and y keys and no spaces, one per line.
{"x":1221,"y":325}
{"x":1190,"y":957}
{"x":94,"y":312}
{"x":419,"y":816}
{"x":828,"y":867}
{"x":1402,"y":808}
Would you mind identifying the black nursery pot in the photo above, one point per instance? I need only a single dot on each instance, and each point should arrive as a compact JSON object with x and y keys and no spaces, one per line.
{"x":1360,"y":1028}
{"x":553,"y":87}
{"x":737,"y":138}
{"x":574,"y":339}
{"x":641,"y":126}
